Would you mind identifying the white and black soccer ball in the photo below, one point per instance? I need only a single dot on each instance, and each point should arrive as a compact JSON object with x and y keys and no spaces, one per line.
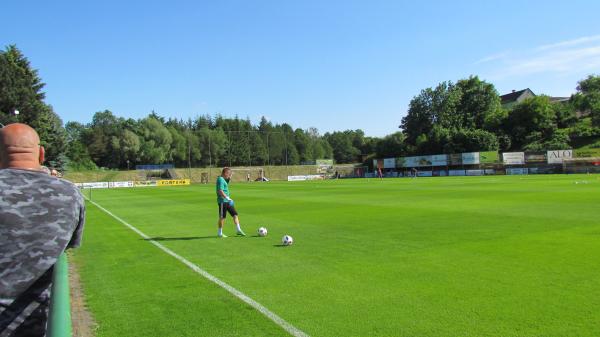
{"x":287,"y":240}
{"x":262,"y":232}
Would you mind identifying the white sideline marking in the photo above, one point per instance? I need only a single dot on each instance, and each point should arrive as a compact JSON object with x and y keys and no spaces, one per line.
{"x":262,"y":309}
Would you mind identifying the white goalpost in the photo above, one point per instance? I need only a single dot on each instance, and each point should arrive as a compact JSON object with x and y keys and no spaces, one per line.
{"x":248,"y":174}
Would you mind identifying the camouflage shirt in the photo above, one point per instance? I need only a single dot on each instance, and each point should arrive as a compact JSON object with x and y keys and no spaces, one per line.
{"x":40,"y":216}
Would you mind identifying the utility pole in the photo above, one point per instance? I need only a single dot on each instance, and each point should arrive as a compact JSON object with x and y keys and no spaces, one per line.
{"x":249,"y":150}
{"x":189,"y":160}
{"x":286,"y":148}
{"x":209,"y":152}
{"x":286,"y":154}
{"x":209,"y":158}
{"x":268,"y":151}
{"x":229,"y":137}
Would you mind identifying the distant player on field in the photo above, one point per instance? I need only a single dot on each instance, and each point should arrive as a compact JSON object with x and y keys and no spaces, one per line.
{"x":226,"y":203}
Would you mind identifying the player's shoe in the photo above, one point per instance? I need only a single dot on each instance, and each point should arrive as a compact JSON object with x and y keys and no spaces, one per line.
{"x":241,"y":233}
{"x":222,"y":236}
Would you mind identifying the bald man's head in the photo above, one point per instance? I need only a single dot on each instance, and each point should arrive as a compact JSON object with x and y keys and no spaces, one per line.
{"x":20,"y":147}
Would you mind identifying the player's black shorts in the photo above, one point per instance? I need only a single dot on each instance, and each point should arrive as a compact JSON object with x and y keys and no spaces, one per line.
{"x":224,"y":208}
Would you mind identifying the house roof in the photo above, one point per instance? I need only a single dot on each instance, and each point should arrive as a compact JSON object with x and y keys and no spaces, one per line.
{"x":559,"y":99}
{"x":513,"y":96}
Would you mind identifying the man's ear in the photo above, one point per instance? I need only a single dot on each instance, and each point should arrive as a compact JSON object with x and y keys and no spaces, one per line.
{"x":42,"y":154}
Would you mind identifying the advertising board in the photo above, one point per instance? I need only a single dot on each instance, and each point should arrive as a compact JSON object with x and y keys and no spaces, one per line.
{"x":557,"y":156}
{"x":470,"y":158}
{"x":513,"y":158}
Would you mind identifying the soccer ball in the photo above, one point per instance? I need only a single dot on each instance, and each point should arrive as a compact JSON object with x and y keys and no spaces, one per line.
{"x":262,"y":231}
{"x":287,"y":240}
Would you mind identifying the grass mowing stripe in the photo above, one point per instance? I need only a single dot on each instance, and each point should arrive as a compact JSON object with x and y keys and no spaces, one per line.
{"x":259,"y":307}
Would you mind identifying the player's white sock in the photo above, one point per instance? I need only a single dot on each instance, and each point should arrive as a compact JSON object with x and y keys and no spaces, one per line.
{"x":239,"y":229}
{"x":220,"y":231}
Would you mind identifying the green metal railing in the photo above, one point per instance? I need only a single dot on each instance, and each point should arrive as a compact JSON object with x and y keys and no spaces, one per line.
{"x":59,"y":318}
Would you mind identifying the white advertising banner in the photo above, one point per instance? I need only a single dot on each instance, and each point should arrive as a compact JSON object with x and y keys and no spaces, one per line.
{"x":389,"y":163}
{"x":557,"y":156}
{"x":513,"y":158}
{"x":439,"y":160}
{"x":489,"y":172}
{"x":145,"y":183}
{"x":456,"y":173}
{"x":93,"y":185}
{"x":425,"y":174}
{"x":120,"y":184}
{"x":303,"y":178}
{"x":470,"y":158}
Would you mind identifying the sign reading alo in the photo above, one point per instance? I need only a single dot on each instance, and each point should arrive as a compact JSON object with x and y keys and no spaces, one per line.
{"x":557,"y":156}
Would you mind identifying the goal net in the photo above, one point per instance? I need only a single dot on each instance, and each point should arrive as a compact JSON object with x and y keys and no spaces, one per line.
{"x":248,"y":174}
{"x":349,"y":171}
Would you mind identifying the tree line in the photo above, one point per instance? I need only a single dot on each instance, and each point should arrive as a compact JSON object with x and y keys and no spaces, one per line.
{"x":450,"y":118}
{"x":116,"y":142}
{"x":467,"y":116}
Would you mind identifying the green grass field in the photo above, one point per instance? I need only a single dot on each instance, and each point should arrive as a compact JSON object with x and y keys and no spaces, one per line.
{"x":464,"y":256}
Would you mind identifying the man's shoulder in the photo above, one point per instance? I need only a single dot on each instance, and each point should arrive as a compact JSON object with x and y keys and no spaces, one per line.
{"x":41,"y":216}
{"x":23,"y":180}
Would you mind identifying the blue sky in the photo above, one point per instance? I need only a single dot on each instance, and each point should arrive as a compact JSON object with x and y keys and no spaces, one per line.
{"x":333,"y":65}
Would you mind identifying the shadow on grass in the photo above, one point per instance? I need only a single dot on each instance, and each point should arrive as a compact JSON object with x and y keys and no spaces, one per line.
{"x":161,"y":238}
{"x":247,"y":236}
{"x":189,"y":238}
{"x":279,"y":245}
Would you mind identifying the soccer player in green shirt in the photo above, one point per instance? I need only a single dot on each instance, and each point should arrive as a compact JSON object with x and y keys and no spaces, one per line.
{"x":226,"y":203}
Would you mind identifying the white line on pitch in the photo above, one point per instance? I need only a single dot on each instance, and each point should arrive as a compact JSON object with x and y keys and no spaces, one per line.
{"x":262,"y":309}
